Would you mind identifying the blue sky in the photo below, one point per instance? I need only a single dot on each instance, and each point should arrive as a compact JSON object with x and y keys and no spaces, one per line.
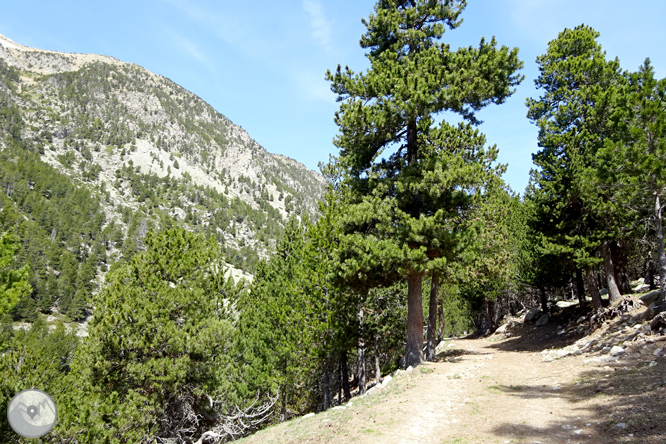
{"x":261,"y":63}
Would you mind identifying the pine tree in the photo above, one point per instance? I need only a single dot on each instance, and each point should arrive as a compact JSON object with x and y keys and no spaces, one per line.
{"x":38,"y":357}
{"x":277,"y":328}
{"x":404,"y":209}
{"x":633,"y":168}
{"x":14,"y":283}
{"x":488,"y":268}
{"x":575,"y":119}
{"x":154,"y":363}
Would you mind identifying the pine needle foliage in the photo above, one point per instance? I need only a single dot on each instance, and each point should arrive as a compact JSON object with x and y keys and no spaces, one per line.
{"x":155,"y":363}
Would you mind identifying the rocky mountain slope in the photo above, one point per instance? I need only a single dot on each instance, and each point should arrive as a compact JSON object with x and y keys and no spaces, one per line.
{"x":133,"y":136}
{"x":95,"y":152}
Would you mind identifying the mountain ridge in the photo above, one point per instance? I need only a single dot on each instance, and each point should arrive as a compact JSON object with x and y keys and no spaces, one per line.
{"x":152,"y":153}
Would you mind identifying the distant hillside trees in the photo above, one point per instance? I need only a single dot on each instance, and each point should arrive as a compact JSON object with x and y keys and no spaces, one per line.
{"x":14,"y":283}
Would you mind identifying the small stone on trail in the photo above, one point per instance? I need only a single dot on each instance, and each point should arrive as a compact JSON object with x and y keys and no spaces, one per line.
{"x":621,"y":425}
{"x":616,"y":350}
{"x":309,"y":415}
{"x":409,"y":369}
{"x":658,"y":351}
{"x":543,"y":320}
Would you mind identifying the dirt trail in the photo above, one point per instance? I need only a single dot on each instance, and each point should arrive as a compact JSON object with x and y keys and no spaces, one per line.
{"x":504,"y":390}
{"x":492,"y":395}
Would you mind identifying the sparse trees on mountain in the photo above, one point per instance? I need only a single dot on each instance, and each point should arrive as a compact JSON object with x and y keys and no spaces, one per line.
{"x":408,"y":180}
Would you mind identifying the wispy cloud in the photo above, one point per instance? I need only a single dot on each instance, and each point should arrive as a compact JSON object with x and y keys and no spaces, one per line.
{"x":192,"y":50}
{"x":237,"y":32}
{"x":321,"y":27}
{"x":313,"y":86}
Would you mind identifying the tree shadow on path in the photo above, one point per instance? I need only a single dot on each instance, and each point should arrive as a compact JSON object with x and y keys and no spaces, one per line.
{"x":626,"y":400}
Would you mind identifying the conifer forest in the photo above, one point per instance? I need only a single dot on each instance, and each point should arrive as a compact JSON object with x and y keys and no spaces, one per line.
{"x":167,"y":280}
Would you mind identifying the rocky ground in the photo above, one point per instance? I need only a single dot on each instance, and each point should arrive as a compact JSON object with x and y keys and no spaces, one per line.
{"x":557,"y":383}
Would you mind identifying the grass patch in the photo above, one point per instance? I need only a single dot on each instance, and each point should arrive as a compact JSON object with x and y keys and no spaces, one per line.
{"x":494,"y":389}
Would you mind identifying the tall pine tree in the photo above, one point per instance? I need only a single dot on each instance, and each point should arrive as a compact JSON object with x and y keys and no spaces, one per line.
{"x":407,"y":179}
{"x":633,"y":168}
{"x":575,"y":118}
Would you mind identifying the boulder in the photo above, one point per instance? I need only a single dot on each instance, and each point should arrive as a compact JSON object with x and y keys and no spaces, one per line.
{"x":654,"y":309}
{"x":502,"y":328}
{"x":616,"y":350}
{"x":658,"y":322}
{"x":637,"y":282}
{"x":651,"y":297}
{"x":440,"y":347}
{"x":543,"y":320}
{"x":640,"y":288}
{"x":386,"y":380}
{"x":532,"y":315}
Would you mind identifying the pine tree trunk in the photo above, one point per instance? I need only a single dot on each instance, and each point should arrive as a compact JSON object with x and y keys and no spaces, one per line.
{"x":592,"y":288}
{"x":283,"y":408}
{"x":414,"y":353}
{"x":580,"y":287}
{"x":361,"y":354}
{"x":620,"y":266}
{"x":609,"y":270}
{"x":544,"y":299}
{"x":649,"y":273}
{"x":432,"y":318}
{"x":326,"y":389}
{"x":378,"y":370}
{"x":340,"y":382}
{"x":345,"y":377}
{"x":440,"y":320}
{"x":661,"y":256}
{"x":490,"y":315}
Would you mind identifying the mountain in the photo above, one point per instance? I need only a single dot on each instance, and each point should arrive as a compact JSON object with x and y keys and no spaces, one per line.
{"x":94,"y":152}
